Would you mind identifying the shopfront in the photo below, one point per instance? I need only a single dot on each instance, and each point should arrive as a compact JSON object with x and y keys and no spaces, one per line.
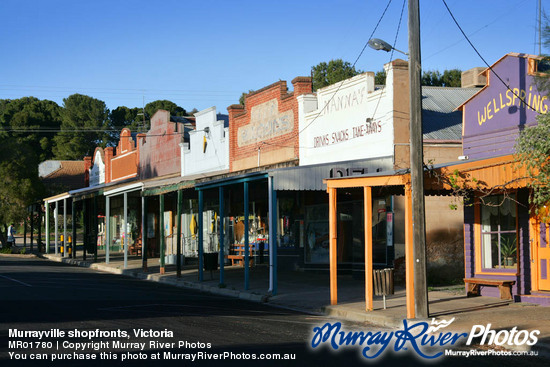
{"x":505,"y":240}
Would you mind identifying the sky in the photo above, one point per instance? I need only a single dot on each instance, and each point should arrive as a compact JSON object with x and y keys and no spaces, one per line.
{"x":205,"y":53}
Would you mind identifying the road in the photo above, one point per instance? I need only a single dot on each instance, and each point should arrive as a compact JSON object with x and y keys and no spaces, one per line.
{"x":37,"y":295}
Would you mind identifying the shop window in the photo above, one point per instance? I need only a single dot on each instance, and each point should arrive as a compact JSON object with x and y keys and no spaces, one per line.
{"x":499,"y":232}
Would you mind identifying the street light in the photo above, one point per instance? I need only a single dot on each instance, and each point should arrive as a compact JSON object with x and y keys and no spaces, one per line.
{"x":380,"y":45}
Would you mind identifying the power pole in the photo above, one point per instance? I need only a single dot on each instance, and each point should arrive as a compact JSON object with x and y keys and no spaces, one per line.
{"x":417,"y":164}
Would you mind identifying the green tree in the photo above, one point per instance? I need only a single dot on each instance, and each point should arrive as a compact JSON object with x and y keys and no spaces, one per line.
{"x":152,"y":107}
{"x":121,"y":117}
{"x":84,"y":124}
{"x":533,"y":153}
{"x":31,"y":121}
{"x":449,"y":78}
{"x":431,"y":78}
{"x":336,"y":70}
{"x":380,"y":77}
{"x":19,"y":186}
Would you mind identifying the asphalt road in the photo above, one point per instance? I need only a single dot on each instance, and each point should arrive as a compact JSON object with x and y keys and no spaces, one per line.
{"x":37,"y":295}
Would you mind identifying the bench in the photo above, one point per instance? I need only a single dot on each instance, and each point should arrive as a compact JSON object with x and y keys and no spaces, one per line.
{"x":473,"y":286}
{"x":236,"y":255}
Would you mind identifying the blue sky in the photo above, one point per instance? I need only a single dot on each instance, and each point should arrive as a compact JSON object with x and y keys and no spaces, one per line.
{"x":205,"y":53}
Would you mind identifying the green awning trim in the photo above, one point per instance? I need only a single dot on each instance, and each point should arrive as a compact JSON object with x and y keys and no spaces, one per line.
{"x":88,"y":195}
{"x":153,"y":191}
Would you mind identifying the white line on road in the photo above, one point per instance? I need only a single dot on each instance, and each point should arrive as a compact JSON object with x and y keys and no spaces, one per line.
{"x":15,"y":280}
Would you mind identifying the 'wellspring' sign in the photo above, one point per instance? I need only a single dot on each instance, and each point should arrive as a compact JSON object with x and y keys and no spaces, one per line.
{"x":494,"y":116}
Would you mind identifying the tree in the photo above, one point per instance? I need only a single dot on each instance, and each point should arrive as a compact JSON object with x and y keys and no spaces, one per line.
{"x":449,"y":78}
{"x":380,"y":77}
{"x":174,"y":109}
{"x":124,"y":117}
{"x":533,"y":152}
{"x":19,"y":186}
{"x":31,"y":121}
{"x":335,"y":71}
{"x":84,"y":124}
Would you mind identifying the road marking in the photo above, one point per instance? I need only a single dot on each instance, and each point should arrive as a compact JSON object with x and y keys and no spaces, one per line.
{"x":15,"y":280}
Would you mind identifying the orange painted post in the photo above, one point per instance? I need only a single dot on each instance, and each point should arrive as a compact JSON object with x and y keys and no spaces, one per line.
{"x":409,"y":258}
{"x":368,"y":248}
{"x":332,"y":246}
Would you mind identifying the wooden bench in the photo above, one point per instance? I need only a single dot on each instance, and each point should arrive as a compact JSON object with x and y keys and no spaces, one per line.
{"x":236,"y":255}
{"x":473,"y":286}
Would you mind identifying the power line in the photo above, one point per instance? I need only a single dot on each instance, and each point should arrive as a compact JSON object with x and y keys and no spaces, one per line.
{"x":391,"y":54}
{"x":481,"y":57}
{"x":353,"y":66}
{"x":476,"y":31}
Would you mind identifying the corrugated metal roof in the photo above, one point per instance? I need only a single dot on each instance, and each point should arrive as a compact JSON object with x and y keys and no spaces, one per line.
{"x":440,"y":119}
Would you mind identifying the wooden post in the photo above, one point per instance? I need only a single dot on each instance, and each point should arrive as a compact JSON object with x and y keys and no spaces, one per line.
{"x":417,"y":165}
{"x":409,"y":258}
{"x":333,"y":255}
{"x":368,"y":248}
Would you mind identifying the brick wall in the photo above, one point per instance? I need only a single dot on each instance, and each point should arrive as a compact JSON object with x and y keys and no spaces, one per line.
{"x":265,"y":130}
{"x":124,"y":164}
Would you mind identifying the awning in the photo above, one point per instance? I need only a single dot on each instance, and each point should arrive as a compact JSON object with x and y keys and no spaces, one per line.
{"x":311,"y":177}
{"x":164,"y":186}
{"x":120,"y":189}
{"x":53,"y":199}
{"x":231,"y":180}
{"x":87,"y":192}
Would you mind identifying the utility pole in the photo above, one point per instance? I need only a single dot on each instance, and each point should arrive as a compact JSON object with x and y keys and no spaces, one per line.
{"x":417,"y":164}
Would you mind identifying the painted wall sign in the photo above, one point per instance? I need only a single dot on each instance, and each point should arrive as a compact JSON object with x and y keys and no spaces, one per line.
{"x":497,"y":106}
{"x":346,"y":172}
{"x":266,"y":122}
{"x":495,"y":115}
{"x":349,"y":121}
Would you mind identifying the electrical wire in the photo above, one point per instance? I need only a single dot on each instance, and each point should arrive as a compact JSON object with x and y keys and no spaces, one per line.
{"x":481,"y":57}
{"x":391,"y":54}
{"x":353,"y":66}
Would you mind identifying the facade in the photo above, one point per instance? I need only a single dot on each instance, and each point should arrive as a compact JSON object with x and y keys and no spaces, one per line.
{"x":207,"y":151}
{"x":363,"y":129}
{"x":504,"y":239}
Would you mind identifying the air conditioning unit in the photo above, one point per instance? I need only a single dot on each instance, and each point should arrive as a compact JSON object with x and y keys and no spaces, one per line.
{"x":473,"y":78}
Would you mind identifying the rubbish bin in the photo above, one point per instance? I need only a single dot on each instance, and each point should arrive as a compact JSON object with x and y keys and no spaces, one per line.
{"x":383,"y":283}
{"x":210,"y":261}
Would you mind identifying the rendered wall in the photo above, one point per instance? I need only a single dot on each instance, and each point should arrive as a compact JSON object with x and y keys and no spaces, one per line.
{"x":207,"y":151}
{"x":159,"y":150}
{"x":346,"y":121}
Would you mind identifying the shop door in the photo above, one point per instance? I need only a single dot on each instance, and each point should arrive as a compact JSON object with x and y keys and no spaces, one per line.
{"x":543,"y":257}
